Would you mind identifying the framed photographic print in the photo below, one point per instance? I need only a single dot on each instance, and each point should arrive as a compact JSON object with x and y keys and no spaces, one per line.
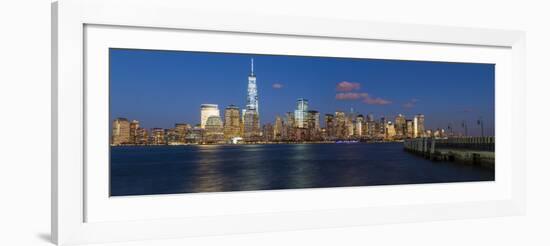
{"x":171,"y":125}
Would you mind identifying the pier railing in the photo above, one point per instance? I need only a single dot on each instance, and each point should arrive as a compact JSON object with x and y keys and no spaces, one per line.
{"x":467,"y":149}
{"x":465,"y":143}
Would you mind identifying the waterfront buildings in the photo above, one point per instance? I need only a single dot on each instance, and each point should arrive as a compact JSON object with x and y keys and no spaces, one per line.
{"x":134,"y":126}
{"x":232,"y":123}
{"x":359,"y":126}
{"x":121,"y":131}
{"x":278,"y":129}
{"x":208,"y":110}
{"x":313,"y":125}
{"x":300,"y":113}
{"x":268,"y":132}
{"x":142,"y":137}
{"x":214,"y":132}
{"x":409,"y":132}
{"x":389,"y":131}
{"x":330,"y":127}
{"x":233,"y":128}
{"x":182,"y":129}
{"x":400,"y":125}
{"x":341,"y":131}
{"x":157,"y":136}
{"x":418,"y":125}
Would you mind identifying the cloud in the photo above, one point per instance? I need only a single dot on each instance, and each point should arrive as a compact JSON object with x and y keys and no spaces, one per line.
{"x":347,"y":86}
{"x":410,"y":104}
{"x":376,"y":101}
{"x":350,"y":96}
{"x":277,"y":86}
{"x":364,"y":97}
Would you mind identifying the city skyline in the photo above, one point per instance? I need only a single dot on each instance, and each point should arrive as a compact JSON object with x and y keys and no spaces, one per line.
{"x":177,"y":81}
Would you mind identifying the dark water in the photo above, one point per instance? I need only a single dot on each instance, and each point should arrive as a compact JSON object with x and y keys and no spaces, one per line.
{"x":184,"y":169}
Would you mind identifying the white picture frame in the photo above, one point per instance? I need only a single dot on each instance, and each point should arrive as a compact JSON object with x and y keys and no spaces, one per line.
{"x":81,"y":213}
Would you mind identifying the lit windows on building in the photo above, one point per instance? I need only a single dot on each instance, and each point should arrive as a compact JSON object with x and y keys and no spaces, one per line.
{"x":121,"y":132}
{"x":300,"y":113}
{"x":157,"y":136}
{"x":208,"y":110}
{"x":214,"y":130}
{"x":232,"y":122}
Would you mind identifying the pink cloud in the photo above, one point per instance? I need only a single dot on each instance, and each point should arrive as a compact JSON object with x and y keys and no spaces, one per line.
{"x":277,"y":86}
{"x":347,"y":86}
{"x":376,"y":101}
{"x":364,"y":97}
{"x":350,"y":96}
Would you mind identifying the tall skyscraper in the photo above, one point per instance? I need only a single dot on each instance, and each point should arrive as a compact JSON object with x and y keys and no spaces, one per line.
{"x":341,"y":128}
{"x":134,"y":126}
{"x":208,"y":110}
{"x":300,"y":114}
{"x":418,"y":125}
{"x":289,"y":127}
{"x":252,"y":99}
{"x":359,"y":125}
{"x":251,"y":115}
{"x":400,"y":126}
{"x":278,"y":129}
{"x":389,"y":130}
{"x":313,"y":125}
{"x":330,"y":128}
{"x":121,"y":131}
{"x":232,"y":120}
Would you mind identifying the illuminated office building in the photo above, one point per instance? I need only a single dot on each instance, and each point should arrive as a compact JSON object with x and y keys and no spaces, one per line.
{"x":232,"y":122}
{"x":142,"y":136}
{"x":359,"y":125}
{"x":134,"y":126}
{"x":268,"y":132}
{"x":208,"y":110}
{"x":400,"y":126}
{"x":341,"y":127}
{"x":313,"y":125}
{"x":214,"y":130}
{"x":389,"y":130}
{"x":278,"y":129}
{"x":330,"y":127}
{"x":300,"y":113}
{"x":121,"y":131}
{"x":289,"y":127}
{"x":181,"y":131}
{"x":418,"y":125}
{"x":409,"y":132}
{"x":157,"y":136}
{"x":195,"y":135}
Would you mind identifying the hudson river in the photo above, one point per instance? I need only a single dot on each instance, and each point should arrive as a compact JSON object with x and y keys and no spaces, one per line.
{"x":145,"y":170}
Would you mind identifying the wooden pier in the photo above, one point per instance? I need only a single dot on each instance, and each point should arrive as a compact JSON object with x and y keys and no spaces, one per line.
{"x":468,"y":150}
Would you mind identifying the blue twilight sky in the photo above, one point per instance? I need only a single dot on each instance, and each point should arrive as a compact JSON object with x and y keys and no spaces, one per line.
{"x":161,"y":88}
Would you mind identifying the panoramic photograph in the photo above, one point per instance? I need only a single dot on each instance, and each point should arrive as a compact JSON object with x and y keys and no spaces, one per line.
{"x":193,"y":122}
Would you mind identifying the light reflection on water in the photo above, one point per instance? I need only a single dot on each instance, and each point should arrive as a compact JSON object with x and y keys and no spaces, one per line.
{"x":215,"y":168}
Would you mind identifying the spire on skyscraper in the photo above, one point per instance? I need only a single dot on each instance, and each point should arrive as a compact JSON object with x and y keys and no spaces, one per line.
{"x":252,"y":66}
